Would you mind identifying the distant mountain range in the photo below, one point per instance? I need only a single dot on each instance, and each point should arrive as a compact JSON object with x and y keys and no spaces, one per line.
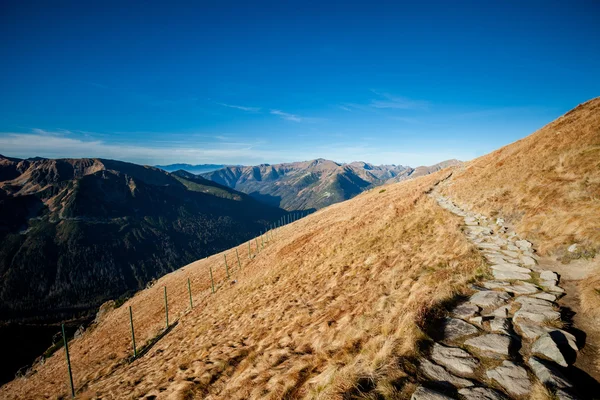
{"x":313,"y":184}
{"x":193,"y":169}
{"x":76,"y":232}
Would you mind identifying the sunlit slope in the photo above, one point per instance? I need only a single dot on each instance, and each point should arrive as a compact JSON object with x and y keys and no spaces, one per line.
{"x":547,"y":184}
{"x":330,"y":306}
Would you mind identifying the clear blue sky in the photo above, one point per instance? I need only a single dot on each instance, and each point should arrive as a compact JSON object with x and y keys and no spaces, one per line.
{"x":250,"y":82}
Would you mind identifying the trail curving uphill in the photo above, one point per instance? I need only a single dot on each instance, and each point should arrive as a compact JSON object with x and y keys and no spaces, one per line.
{"x":510,"y":338}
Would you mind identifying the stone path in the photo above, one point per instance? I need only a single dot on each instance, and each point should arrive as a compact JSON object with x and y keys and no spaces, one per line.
{"x":508,"y":333}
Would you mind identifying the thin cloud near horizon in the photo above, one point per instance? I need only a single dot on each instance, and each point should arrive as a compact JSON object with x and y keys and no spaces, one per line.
{"x":48,"y":145}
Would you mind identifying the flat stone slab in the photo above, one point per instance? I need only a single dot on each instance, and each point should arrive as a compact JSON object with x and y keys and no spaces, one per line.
{"x":507,"y":267}
{"x":454,"y":359}
{"x":511,"y":275}
{"x":545,"y":296}
{"x":480,"y":393}
{"x":521,"y":288}
{"x":533,"y":301}
{"x":527,"y":260}
{"x":536,"y":310}
{"x":489,"y":298}
{"x":511,"y":253}
{"x":480,"y":230}
{"x":423,"y":393}
{"x":439,"y":374}
{"x":548,"y":276}
{"x":551,"y":287}
{"x":537,"y":314}
{"x":492,"y":343}
{"x":488,"y":246}
{"x":495,"y":259}
{"x":530,"y":331}
{"x":512,"y":378}
{"x":465,"y":310}
{"x":495,"y":285}
{"x":555,"y":346}
{"x":547,"y":374}
{"x":456,"y":328}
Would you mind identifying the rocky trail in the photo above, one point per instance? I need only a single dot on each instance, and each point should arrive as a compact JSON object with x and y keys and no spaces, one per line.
{"x":510,"y":335}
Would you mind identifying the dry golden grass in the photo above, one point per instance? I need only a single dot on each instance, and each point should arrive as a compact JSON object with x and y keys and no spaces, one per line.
{"x":329,"y":309}
{"x":547,"y":184}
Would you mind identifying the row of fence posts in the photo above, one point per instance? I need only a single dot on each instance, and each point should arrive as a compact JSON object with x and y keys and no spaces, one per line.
{"x":268,"y":234}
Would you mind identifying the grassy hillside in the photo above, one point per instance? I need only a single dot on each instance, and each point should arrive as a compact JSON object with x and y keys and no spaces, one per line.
{"x":332,"y":304}
{"x":547,"y":184}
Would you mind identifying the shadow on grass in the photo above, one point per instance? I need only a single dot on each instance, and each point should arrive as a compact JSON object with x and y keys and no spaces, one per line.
{"x":148,"y":346}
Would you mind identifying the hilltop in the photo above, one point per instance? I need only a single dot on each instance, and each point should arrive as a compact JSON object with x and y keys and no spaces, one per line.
{"x":345,"y":303}
{"x":313,"y":184}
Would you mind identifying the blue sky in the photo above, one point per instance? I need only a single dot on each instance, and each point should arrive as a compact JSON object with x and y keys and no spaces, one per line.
{"x":267,"y":82}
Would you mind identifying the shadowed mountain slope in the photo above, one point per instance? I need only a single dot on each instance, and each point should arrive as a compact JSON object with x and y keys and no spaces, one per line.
{"x":75,"y":233}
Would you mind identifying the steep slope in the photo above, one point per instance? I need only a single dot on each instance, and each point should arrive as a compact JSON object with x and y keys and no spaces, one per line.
{"x":547,"y":186}
{"x":327,"y":309}
{"x":312,"y":184}
{"x":92,"y":229}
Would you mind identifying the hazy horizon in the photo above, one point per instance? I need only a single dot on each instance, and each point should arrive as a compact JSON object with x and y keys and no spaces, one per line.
{"x":231,"y":83}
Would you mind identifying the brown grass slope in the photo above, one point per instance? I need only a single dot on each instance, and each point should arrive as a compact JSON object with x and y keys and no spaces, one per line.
{"x":548,"y":186}
{"x":328,"y":309}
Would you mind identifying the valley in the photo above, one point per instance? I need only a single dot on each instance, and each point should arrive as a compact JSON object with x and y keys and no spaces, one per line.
{"x":347,"y":302}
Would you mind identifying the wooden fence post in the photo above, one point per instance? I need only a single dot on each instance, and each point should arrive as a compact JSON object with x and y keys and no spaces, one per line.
{"x":212,"y":282}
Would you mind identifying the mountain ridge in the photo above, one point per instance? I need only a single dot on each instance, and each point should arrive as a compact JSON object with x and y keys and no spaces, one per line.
{"x":313,"y":184}
{"x":343,"y":303}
